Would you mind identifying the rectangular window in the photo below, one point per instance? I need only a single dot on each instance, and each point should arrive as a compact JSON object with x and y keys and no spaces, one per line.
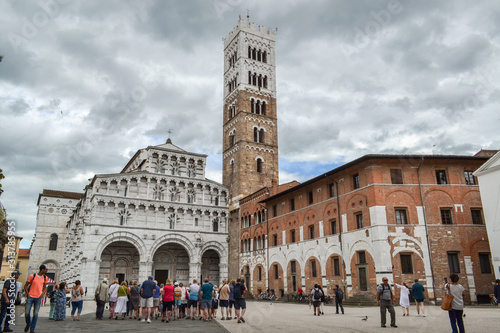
{"x":294,"y":283}
{"x":362,"y":257}
{"x":484,"y":261}
{"x":453,"y":263}
{"x":331,"y":188}
{"x":406,"y":264}
{"x":401,"y":216}
{"x":275,"y":210}
{"x":396,"y":176}
{"x":275,"y":240}
{"x":359,"y":220}
{"x":355,"y":181}
{"x":441,"y":177}
{"x":336,"y":266}
{"x":313,"y":268}
{"x":292,"y":234}
{"x":292,"y":204}
{"x":260,"y":273}
{"x":311,"y":199}
{"x":469,"y":177}
{"x":446,"y":216}
{"x":276,"y":272}
{"x":195,"y":221}
{"x":333,"y":227}
{"x":293,"y":267}
{"x":311,"y":232}
{"x":477,"y":216}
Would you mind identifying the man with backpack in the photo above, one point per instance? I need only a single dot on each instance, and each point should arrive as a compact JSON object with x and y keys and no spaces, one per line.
{"x":35,"y":287}
{"x":315,"y":296}
{"x":240,"y":304}
{"x":385,"y":300}
{"x":339,"y":297}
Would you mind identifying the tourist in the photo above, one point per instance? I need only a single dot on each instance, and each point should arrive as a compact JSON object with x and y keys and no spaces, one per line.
{"x":315,"y":297}
{"x":457,"y":306}
{"x":183,"y":300}
{"x":9,"y":295}
{"x":134,"y":301}
{"x":36,"y":288}
{"x":300,"y":292}
{"x":177,"y":300}
{"x":113,"y":297}
{"x":418,"y":295}
{"x":168,"y":300}
{"x":224,"y":291}
{"x":76,"y":300}
{"x":385,"y":300}
{"x":404,"y":298}
{"x":52,"y":296}
{"x":192,"y":303}
{"x":121,"y":303}
{"x":156,"y":300}
{"x":230,"y":303}
{"x":215,"y":303}
{"x":101,"y":297}
{"x":339,"y":297}
{"x":206,"y":299}
{"x":496,"y":290}
{"x":60,"y":302}
{"x":240,"y":304}
{"x":147,"y":291}
{"x":323,"y":300}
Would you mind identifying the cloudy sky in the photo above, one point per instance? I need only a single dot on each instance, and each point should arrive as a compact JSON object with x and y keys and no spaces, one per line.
{"x":85,"y":84}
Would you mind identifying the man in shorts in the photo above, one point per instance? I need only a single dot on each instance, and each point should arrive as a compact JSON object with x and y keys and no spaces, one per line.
{"x":418,"y":295}
{"x":206,"y":299}
{"x":148,"y":289}
{"x":240,"y":304}
{"x":192,"y":304}
{"x":315,"y":296}
{"x":224,"y":299}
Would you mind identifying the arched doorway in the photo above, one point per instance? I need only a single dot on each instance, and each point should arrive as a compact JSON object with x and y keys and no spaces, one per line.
{"x":171,"y":261}
{"x":210,"y":261}
{"x":119,"y":260}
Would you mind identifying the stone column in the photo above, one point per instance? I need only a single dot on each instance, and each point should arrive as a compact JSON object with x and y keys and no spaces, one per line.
{"x":469,"y":270}
{"x":194,"y":271}
{"x":89,"y":275}
{"x":223,"y":272}
{"x":145,"y":270}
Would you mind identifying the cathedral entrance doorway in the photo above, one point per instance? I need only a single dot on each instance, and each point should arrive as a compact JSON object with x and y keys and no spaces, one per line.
{"x":171,"y":261}
{"x":120,"y":261}
{"x":210,"y":267}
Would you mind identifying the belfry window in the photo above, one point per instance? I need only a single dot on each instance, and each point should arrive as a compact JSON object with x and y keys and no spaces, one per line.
{"x":259,"y":165}
{"x":53,"y":242}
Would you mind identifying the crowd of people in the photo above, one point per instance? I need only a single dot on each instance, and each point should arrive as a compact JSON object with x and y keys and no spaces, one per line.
{"x":174,"y":301}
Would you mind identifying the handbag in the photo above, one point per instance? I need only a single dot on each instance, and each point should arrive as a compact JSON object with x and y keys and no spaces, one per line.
{"x":447,"y":300}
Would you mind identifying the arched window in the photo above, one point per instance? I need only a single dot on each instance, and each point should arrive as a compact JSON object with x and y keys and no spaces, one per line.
{"x":257,"y":107}
{"x":171,"y":221}
{"x":53,"y":242}
{"x":254,"y":79}
{"x":259,"y":165}
{"x":261,"y":135}
{"x":259,"y":55}
{"x":254,"y":54}
{"x":264,"y":56}
{"x":215,"y":225}
{"x":259,"y":82}
{"x":252,"y":103}
{"x":249,"y":52}
{"x":231,"y":138}
{"x":263,"y":109}
{"x":255,"y":135}
{"x":191,"y":170}
{"x":190,"y":196}
{"x":265,"y":81}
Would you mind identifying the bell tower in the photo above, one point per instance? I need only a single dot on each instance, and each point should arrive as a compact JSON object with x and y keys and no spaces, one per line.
{"x":250,"y":126}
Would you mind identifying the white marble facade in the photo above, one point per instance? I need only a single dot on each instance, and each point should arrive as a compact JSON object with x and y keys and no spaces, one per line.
{"x":159,"y":216}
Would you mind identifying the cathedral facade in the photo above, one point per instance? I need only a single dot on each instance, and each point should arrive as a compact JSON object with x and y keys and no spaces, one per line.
{"x":158,"y":216}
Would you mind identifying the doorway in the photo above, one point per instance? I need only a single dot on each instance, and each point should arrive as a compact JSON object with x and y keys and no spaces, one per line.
{"x":120,"y":277}
{"x":161,"y":275}
{"x":362,"y":278}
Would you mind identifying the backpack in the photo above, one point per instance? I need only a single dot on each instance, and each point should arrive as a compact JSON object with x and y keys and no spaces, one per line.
{"x":340,"y":294}
{"x":237,"y":291}
{"x":317,"y":294}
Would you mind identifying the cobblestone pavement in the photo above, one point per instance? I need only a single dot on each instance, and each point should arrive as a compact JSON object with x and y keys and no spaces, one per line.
{"x":273,"y":317}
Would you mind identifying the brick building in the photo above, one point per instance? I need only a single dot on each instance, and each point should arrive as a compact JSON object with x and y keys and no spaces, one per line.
{"x":402,"y":216}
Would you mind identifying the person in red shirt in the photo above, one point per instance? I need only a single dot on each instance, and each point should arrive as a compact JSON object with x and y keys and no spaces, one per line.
{"x":168,"y":299}
{"x":35,"y":287}
{"x":300,"y":293}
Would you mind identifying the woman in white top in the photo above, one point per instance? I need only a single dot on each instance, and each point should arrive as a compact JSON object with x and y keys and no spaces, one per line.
{"x":404,"y":298}
{"x":457,"y":306}
{"x":113,"y":297}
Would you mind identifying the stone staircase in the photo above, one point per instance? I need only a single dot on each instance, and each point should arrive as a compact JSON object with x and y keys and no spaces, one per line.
{"x":361,"y":299}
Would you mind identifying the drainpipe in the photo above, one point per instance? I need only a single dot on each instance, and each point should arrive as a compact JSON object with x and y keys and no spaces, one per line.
{"x":426,"y":229}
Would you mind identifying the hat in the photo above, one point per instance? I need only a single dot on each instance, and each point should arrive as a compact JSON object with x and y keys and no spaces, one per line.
{"x":104,"y":280}
{"x":44,"y":267}
{"x":16,"y":272}
{"x":150,"y":277}
{"x":176,"y":283}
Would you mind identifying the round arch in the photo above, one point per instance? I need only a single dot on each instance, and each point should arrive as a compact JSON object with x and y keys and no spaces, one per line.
{"x":174,"y":238}
{"x":123,"y":236}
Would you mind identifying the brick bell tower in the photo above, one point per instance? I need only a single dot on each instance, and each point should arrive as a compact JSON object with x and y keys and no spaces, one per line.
{"x":250,"y":124}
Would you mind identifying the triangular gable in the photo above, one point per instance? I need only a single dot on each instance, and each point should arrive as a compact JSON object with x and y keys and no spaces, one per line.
{"x":490,"y":165}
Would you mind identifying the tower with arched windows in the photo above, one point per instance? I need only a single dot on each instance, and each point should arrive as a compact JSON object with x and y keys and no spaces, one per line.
{"x":250,"y":124}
